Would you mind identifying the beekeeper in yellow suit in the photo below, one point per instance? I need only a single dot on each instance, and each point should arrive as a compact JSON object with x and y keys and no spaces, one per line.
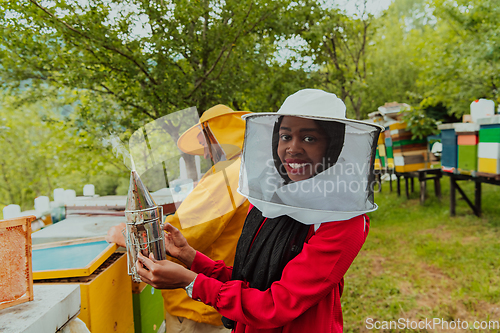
{"x":211,"y":216}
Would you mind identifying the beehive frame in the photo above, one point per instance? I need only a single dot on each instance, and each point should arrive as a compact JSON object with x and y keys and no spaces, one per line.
{"x":19,"y":225}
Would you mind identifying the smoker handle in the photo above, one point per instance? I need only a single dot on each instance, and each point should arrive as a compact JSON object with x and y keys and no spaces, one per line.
{"x":162,"y":217}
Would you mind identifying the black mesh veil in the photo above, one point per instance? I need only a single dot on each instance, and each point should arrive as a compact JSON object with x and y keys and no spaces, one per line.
{"x":340,"y":189}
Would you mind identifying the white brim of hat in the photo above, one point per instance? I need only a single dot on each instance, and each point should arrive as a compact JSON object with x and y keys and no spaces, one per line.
{"x":342,"y":120}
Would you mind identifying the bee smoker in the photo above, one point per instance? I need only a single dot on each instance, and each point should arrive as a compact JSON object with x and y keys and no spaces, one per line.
{"x":143,"y":232}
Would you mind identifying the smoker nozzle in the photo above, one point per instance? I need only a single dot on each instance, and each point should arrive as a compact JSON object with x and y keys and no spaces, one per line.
{"x":138,"y":197}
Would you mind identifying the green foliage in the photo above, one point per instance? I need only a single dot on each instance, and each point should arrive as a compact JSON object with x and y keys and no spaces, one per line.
{"x":338,"y":43}
{"x":43,"y":151}
{"x":435,"y":53}
{"x":394,"y":55}
{"x":421,"y":126}
{"x":462,"y":59}
{"x":150,"y":57}
{"x":124,"y":63}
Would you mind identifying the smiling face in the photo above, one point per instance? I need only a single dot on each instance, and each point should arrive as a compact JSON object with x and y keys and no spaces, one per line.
{"x":301,"y":147}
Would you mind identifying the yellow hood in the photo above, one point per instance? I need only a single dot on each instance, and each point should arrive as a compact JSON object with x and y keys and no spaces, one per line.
{"x":227,"y":127}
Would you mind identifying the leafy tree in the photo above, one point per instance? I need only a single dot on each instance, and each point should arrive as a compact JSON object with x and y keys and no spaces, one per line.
{"x":41,"y":151}
{"x":439,"y":55}
{"x":150,"y":57}
{"x":394,"y":55}
{"x":420,"y":125}
{"x":463,"y":54}
{"x":338,"y":44}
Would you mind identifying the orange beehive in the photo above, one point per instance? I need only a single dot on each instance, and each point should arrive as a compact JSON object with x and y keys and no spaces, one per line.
{"x":16,"y":279}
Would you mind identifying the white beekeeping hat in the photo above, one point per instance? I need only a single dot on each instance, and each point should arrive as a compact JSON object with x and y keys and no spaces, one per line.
{"x":337,"y":188}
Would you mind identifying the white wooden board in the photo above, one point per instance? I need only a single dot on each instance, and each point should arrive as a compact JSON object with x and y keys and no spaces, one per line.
{"x":54,"y":305}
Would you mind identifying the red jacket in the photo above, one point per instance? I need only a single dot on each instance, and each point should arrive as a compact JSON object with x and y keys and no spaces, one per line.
{"x":305,"y":299}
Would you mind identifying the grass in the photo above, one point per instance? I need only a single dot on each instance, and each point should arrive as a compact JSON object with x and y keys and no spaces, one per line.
{"x":418,"y":262}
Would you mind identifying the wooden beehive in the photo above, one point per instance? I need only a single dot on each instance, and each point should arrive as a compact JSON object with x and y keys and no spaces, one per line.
{"x":149,"y":313}
{"x":106,"y":295}
{"x":467,"y":139}
{"x":489,"y":150}
{"x":16,"y":279}
{"x":449,"y":155}
{"x":409,"y":154}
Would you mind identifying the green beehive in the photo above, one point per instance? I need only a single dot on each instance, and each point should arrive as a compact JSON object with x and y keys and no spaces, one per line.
{"x":148,"y":309}
{"x":389,"y":152}
{"x":467,"y":157}
{"x":489,"y":133}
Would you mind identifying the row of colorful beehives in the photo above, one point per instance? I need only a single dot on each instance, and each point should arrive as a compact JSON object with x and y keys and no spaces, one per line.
{"x":397,"y":150}
{"x":472,"y":148}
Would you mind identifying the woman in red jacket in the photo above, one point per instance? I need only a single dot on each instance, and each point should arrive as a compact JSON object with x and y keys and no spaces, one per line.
{"x":309,"y":193}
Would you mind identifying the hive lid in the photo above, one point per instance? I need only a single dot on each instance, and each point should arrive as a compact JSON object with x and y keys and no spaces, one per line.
{"x":489,"y":120}
{"x":68,"y":259}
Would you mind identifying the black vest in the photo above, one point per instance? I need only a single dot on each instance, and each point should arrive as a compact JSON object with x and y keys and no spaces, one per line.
{"x":261,"y":257}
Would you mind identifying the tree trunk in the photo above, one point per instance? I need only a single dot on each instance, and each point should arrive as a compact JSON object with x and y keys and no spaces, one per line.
{"x":190,"y":166}
{"x":173,"y":131}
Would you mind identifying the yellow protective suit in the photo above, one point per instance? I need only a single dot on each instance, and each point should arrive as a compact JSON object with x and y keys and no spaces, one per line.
{"x":212,"y":215}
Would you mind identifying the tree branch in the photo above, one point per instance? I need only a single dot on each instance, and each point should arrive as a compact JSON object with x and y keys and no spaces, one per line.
{"x":138,"y":107}
{"x":103,"y":44}
{"x":221,"y":53}
{"x":262,"y":18}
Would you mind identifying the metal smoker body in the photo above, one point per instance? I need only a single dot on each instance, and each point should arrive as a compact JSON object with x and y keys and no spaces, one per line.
{"x":144,"y":222}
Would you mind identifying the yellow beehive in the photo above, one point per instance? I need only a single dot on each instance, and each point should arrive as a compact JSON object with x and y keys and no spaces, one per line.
{"x":410,"y":167}
{"x":390,"y":163}
{"x":397,"y":126}
{"x":488,"y":165}
{"x":107,"y":299}
{"x":105,"y":286}
{"x":381,"y":150}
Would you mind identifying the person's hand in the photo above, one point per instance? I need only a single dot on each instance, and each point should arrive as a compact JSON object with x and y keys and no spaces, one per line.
{"x":177,"y":245}
{"x":115,"y":235}
{"x":163,"y":274}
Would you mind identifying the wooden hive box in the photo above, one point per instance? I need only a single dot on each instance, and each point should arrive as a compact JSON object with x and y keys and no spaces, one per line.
{"x":449,"y":155}
{"x":489,"y":150}
{"x":467,"y":140}
{"x":149,"y":313}
{"x":397,"y":126}
{"x":105,"y":286}
{"x":411,"y":161}
{"x":467,"y":152}
{"x":16,"y":277}
{"x":377,"y":165}
{"x":405,"y":154}
{"x":106,"y":294}
{"x":467,"y":159}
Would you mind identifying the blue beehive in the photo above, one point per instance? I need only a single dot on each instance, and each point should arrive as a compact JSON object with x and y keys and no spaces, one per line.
{"x":450,"y":147}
